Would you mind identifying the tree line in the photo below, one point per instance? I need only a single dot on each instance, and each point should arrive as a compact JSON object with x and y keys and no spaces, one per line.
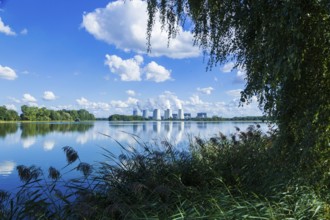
{"x":31,"y":113}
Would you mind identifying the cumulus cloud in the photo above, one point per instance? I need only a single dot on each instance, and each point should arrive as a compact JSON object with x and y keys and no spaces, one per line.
{"x":128,"y":70}
{"x":157,"y":73}
{"x":224,"y":109}
{"x":11,"y":106}
{"x":49,"y":96}
{"x":28,"y":98}
{"x":132,"y":69}
{"x":129,"y":33}
{"x":207,"y":90}
{"x":227,"y":68}
{"x":163,"y":101}
{"x":195,"y":100}
{"x":6,"y":29}
{"x":106,"y":107}
{"x":130,"y":92}
{"x":7,"y":73}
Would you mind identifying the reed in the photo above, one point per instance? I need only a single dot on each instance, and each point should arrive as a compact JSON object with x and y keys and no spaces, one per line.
{"x":234,"y":177}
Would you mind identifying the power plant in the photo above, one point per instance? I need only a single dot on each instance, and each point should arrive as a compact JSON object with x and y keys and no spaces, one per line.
{"x":168,"y":114}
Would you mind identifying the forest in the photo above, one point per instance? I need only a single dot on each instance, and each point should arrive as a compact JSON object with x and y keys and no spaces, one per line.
{"x":31,"y":113}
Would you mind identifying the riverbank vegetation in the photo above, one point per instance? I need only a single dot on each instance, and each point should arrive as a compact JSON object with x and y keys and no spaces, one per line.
{"x":31,"y":113}
{"x":235,"y":177}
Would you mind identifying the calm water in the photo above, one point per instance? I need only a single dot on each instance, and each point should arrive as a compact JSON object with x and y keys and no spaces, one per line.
{"x":41,"y":143}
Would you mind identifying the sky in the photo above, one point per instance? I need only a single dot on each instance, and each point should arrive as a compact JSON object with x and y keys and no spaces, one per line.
{"x":84,"y":54}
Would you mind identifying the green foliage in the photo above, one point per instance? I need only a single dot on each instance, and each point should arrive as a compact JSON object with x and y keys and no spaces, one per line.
{"x":8,"y":114}
{"x":284,"y":48}
{"x":42,"y":114}
{"x":117,"y":117}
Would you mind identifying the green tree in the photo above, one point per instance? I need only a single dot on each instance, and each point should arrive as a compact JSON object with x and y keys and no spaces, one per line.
{"x":11,"y":115}
{"x":43,"y":114}
{"x":3,"y":111}
{"x":29,"y":113}
{"x":284,"y":47}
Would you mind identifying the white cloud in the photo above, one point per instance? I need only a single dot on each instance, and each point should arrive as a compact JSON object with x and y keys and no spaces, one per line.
{"x":167,"y":99}
{"x":24,"y":31}
{"x":14,"y":99}
{"x":157,"y":73}
{"x":82,"y":101}
{"x":163,"y":101}
{"x":130,"y":92}
{"x":11,"y":106}
{"x":7,"y":73}
{"x":234,"y":93}
{"x":7,"y":167}
{"x":240,"y":75}
{"x":195,"y":100}
{"x":28,"y":98}
{"x":128,"y":70}
{"x":207,"y":90}
{"x":49,"y":145}
{"x":49,"y":96}
{"x":6,"y":29}
{"x":28,"y":142}
{"x":227,"y":68}
{"x":132,"y":70}
{"x":95,"y":106}
{"x":124,"y":25}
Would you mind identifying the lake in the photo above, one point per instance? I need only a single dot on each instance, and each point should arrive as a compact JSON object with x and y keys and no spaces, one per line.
{"x":41,"y":144}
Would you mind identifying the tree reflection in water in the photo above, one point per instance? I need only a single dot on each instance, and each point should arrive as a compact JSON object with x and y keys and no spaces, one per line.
{"x":34,"y":129}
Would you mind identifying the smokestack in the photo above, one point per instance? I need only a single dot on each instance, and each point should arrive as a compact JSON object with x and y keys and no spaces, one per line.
{"x":145,"y":114}
{"x":168,"y":114}
{"x":156,"y":114}
{"x":180,"y":114}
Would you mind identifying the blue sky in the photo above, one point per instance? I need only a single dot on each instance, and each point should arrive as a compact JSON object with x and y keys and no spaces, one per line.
{"x":92,"y":55}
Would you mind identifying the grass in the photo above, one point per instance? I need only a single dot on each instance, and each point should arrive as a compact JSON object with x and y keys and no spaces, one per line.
{"x":236,"y":177}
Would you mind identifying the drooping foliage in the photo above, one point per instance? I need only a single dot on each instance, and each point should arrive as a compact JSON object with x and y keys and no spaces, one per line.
{"x":284,"y":47}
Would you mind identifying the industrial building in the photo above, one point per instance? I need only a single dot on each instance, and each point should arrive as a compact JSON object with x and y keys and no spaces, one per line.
{"x":156,"y":115}
{"x":145,"y":114}
{"x":180,"y":114}
{"x":187,"y":116}
{"x":168,"y":114}
{"x":201,"y":115}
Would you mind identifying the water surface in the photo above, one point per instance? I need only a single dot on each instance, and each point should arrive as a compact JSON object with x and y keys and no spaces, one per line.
{"x":41,"y":144}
